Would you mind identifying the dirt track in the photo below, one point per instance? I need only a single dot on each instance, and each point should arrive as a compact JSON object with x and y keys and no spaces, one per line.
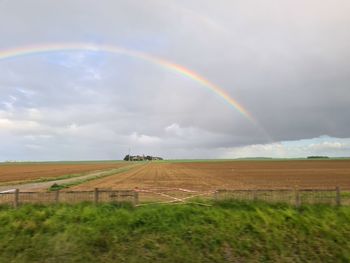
{"x":13,"y":172}
{"x":44,"y":186}
{"x":230,"y":175}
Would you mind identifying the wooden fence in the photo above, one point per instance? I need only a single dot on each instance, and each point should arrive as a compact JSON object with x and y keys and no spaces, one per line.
{"x":17,"y":197}
{"x":296,"y":197}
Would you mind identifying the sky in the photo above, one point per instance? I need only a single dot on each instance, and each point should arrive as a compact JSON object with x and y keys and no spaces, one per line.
{"x":287,"y":63}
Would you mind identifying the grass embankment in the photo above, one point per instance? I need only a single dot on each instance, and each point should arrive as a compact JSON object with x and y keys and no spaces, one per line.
{"x":60,"y":162}
{"x":225,"y":232}
{"x":65,"y":176}
{"x":49,"y":179}
{"x":56,"y":186}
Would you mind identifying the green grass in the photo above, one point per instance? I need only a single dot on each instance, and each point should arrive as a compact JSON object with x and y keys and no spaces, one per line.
{"x":61,"y":162}
{"x":224,"y":232}
{"x":59,"y":177}
{"x":56,"y":186}
{"x":48,"y":179}
{"x":104,"y":173}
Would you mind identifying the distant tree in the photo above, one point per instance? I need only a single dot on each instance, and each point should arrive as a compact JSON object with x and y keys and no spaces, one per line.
{"x":317,"y":157}
{"x":141,"y":158}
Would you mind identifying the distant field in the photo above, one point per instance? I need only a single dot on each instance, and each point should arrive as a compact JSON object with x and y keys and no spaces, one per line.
{"x":11,"y":172}
{"x":245,"y":174}
{"x":199,"y":175}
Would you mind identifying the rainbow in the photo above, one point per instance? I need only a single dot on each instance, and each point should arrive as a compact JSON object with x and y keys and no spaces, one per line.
{"x":59,"y":47}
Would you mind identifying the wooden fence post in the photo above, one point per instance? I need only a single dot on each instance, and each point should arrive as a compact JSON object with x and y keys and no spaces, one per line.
{"x":216,"y":195}
{"x":16,"y":198}
{"x":337,"y":196}
{"x":220,"y":194}
{"x":96,"y":196}
{"x":57,"y":196}
{"x":297,"y":198}
{"x":255,"y":196}
{"x":136,"y":197}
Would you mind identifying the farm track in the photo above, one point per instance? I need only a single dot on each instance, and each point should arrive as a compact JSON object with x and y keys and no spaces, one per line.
{"x":43,"y":186}
{"x":206,"y":176}
{"x":18,"y":172}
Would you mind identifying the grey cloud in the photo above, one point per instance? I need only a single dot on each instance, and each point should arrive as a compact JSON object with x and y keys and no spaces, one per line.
{"x":286,"y":62}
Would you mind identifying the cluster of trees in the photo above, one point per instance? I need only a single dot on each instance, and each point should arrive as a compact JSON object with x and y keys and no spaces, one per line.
{"x":318,"y":157}
{"x":141,"y":158}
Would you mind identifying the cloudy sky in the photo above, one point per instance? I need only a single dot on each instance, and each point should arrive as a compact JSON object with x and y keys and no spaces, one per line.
{"x":286,"y":62}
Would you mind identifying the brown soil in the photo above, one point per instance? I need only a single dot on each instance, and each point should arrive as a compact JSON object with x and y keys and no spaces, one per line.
{"x":204,"y":176}
{"x":22,"y":172}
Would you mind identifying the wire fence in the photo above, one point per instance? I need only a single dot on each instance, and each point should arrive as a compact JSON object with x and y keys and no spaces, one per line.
{"x":139,"y":197}
{"x":17,"y":197}
{"x":295,"y":197}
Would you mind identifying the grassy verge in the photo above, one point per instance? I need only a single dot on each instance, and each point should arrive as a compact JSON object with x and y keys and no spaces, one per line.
{"x":56,"y":186}
{"x":224,"y":232}
{"x":60,"y":162}
{"x":62,"y":177}
{"x":49,"y":179}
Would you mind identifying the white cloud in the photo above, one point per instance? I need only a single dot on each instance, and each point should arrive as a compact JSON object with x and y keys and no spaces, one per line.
{"x":33,"y":146}
{"x":34,"y":114}
{"x":175,"y":129}
{"x":142,"y":139}
{"x":26,"y":92}
{"x":18,"y":125}
{"x":324,"y":145}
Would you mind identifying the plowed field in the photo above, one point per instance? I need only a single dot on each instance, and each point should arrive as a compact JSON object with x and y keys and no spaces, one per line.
{"x":204,"y":176}
{"x":31,"y":171}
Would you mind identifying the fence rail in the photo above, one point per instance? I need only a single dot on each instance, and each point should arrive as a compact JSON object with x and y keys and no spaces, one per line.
{"x":296,"y":197}
{"x":17,"y":198}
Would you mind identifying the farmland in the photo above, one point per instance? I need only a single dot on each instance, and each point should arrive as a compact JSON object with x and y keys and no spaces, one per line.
{"x":192,"y":175}
{"x":200,"y":230}
{"x":18,"y":172}
{"x":204,"y":176}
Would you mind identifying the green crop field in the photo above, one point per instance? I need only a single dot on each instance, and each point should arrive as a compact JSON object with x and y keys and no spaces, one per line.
{"x":223,"y":232}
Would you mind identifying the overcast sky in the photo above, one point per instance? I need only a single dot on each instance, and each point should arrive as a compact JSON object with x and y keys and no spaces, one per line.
{"x":286,"y":62}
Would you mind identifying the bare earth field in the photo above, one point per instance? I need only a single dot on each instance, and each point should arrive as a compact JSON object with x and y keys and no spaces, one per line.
{"x":206,"y":176}
{"x":13,"y":172}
